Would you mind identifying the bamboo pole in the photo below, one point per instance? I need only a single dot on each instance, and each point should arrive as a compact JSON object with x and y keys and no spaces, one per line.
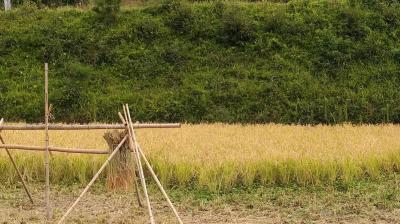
{"x":86,"y":126}
{"x":122,"y":119}
{"x":137,"y":158}
{"x":141,"y":175}
{"x":140,"y":152}
{"x":129,"y":122}
{"x":7,"y":5}
{"x":136,"y":165}
{"x":54,"y":149}
{"x":46,"y":158}
{"x":159,"y":184}
{"x":139,"y":162}
{"x":15,"y":167}
{"x":93,"y":180}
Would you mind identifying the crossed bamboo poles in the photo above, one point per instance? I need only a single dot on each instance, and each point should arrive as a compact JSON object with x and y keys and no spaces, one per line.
{"x":133,"y":146}
{"x":15,"y":166}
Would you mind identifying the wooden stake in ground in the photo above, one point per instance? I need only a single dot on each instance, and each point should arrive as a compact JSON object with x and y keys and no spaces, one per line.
{"x":15,"y":166}
{"x":140,"y":152}
{"x":93,"y":179}
{"x":141,"y":175}
{"x":139,"y":200}
{"x":46,"y":155}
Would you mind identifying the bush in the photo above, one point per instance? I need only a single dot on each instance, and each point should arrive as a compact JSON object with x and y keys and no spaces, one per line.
{"x":72,"y":99}
{"x":237,"y":28}
{"x":148,"y":29}
{"x":28,"y":6}
{"x":208,"y":62}
{"x":396,"y":54}
{"x":107,"y":10}
{"x":180,"y":17}
{"x":352,"y":26}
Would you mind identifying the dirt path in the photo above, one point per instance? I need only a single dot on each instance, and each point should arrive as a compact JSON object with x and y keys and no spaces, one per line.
{"x":105,"y":207}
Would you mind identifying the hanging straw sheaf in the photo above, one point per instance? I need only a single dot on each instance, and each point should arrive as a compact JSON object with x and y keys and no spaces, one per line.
{"x":120,"y":172}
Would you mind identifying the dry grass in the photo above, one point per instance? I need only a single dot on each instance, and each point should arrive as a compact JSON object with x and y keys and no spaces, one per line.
{"x":221,"y":156}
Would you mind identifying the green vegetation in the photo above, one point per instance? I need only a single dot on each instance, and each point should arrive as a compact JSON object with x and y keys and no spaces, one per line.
{"x":364,"y":202}
{"x":296,"y":62}
{"x":107,"y":10}
{"x":382,"y":194}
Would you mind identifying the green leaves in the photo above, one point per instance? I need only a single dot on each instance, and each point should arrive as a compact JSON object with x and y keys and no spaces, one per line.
{"x":210,"y":62}
{"x":107,"y":10}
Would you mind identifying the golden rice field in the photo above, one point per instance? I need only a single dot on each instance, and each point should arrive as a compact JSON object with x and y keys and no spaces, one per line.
{"x":222,"y":156}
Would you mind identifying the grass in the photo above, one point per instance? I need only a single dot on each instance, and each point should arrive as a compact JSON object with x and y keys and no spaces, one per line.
{"x":220,"y":157}
{"x":362,"y":202}
{"x":304,"y":62}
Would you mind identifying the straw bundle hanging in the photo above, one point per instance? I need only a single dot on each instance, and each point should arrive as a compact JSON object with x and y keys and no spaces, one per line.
{"x":121,"y":170}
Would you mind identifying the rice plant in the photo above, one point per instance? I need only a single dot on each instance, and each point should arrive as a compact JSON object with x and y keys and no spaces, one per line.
{"x":221,"y":156}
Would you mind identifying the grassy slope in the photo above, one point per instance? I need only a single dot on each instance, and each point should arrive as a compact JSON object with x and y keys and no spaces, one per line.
{"x":235,"y":62}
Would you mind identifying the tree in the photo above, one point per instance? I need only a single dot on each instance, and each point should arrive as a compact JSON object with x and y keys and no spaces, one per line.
{"x":7,"y":5}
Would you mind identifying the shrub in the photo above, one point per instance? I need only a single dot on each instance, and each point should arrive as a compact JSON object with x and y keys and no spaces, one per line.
{"x":28,"y":6}
{"x":237,"y":28}
{"x":148,"y":29}
{"x":180,"y":17}
{"x":352,"y":23}
{"x":396,"y":54}
{"x":208,"y":62}
{"x":107,"y":10}
{"x":72,"y":99}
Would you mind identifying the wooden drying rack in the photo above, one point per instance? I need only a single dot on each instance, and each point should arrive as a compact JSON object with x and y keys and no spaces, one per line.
{"x":130,"y":137}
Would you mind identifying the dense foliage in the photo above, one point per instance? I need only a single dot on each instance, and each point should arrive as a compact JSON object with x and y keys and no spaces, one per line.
{"x":295,"y":62}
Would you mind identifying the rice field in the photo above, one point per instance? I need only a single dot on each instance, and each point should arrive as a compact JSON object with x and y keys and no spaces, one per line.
{"x":219,"y":157}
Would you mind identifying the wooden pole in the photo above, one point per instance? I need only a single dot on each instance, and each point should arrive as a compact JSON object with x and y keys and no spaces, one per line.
{"x":16,"y":168}
{"x":159,"y":184}
{"x":141,"y":175}
{"x":7,"y":5}
{"x":122,"y":119}
{"x":93,"y":179}
{"x":85,"y":126}
{"x":54,"y":149}
{"x":46,"y":158}
{"x":140,"y":152}
{"x":131,"y":130}
{"x":137,"y":158}
{"x":136,"y":165}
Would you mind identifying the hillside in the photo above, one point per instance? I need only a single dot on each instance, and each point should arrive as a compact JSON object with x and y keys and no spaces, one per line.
{"x":297,"y":62}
